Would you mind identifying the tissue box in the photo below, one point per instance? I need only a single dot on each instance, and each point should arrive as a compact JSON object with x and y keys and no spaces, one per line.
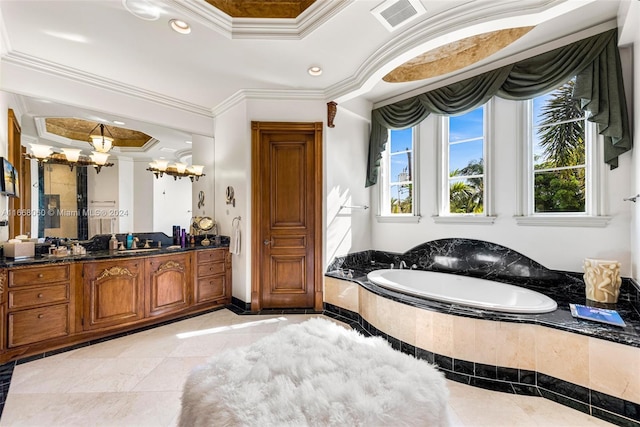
{"x":19,"y":250}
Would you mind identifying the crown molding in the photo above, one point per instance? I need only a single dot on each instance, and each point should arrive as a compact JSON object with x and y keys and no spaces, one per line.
{"x":464,"y":20}
{"x":270,"y":94}
{"x":260,"y":28}
{"x":59,"y":70}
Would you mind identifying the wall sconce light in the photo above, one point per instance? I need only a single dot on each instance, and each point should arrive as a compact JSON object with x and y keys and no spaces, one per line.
{"x":69,"y":156}
{"x":177,"y":170}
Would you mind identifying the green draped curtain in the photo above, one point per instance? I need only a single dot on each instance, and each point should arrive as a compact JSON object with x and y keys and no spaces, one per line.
{"x":595,"y":61}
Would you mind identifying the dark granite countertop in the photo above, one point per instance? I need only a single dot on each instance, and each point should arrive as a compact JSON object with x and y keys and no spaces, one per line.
{"x":96,"y":251}
{"x":563,"y":287}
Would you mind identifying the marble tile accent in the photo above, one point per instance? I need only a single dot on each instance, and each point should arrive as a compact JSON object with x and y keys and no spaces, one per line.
{"x":516,"y":344}
{"x":341,"y":293}
{"x":614,"y":369}
{"x":563,"y":355}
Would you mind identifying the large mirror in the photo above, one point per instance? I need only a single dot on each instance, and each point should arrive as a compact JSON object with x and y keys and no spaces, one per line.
{"x":119,"y":197}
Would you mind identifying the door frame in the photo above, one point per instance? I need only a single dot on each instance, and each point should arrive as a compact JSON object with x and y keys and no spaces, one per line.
{"x":257,"y":128}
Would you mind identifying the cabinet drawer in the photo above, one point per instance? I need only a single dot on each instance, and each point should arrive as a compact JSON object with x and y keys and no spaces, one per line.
{"x":38,"y":324}
{"x":38,"y":296}
{"x":38,"y":275}
{"x":211,"y":255}
{"x":211,"y":288}
{"x":210,"y":268}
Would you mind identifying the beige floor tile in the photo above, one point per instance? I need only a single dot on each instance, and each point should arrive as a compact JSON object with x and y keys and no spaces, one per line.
{"x":137,"y":380}
{"x":170,"y":374}
{"x":115,"y":375}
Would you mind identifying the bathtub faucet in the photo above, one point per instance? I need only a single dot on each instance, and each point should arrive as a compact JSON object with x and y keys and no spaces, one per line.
{"x":402,"y":265}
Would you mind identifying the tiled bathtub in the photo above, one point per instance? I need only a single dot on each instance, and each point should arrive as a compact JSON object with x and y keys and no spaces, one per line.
{"x":590,"y":367}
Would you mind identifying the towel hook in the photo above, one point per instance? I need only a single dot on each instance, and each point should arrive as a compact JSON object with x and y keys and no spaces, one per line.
{"x":233,"y":222}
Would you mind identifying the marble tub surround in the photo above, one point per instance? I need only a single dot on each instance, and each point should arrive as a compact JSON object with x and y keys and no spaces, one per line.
{"x":592,"y":375}
{"x":563,"y":287}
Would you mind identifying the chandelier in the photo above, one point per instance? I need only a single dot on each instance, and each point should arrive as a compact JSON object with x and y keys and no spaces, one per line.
{"x":69,"y":156}
{"x":101,"y":143}
{"x":177,"y":170}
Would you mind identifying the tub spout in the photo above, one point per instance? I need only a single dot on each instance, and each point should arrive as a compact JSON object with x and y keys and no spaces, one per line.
{"x":402,"y":265}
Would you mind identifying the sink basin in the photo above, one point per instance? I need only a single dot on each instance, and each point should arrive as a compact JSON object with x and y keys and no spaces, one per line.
{"x":137,"y":251}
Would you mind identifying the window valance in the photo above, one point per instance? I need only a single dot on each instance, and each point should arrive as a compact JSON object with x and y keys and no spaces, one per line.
{"x":594,"y":60}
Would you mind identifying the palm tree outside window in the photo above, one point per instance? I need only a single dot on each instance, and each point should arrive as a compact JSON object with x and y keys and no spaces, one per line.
{"x":559,"y":154}
{"x":465,"y":148}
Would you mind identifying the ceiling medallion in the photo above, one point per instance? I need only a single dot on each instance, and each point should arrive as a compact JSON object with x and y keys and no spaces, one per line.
{"x":454,"y":56}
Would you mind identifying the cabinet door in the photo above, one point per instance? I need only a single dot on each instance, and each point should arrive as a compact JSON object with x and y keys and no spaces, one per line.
{"x":169,"y":284}
{"x":113,"y":293}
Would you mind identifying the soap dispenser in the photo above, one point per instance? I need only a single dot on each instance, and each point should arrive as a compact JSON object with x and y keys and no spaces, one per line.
{"x":113,"y":243}
{"x":129,"y":240}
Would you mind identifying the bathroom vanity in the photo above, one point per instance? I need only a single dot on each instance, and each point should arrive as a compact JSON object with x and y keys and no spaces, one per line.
{"x":52,"y":303}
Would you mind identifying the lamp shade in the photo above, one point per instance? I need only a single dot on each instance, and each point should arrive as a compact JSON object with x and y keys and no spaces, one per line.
{"x":40,"y":151}
{"x":99,"y":158}
{"x":72,"y":154}
{"x":101,"y":143}
{"x":161,"y":165}
{"x":197,"y":169}
{"x":181,"y":167}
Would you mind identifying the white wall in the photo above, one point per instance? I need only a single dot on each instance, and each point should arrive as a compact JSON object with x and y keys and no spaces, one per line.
{"x":629,"y":22}
{"x":347,"y":230}
{"x":124,"y":214}
{"x":202,"y":153}
{"x":171,"y":203}
{"x":561,"y":248}
{"x":142,"y":197}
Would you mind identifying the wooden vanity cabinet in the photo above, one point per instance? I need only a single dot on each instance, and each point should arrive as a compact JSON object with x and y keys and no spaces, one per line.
{"x":168,"y":287}
{"x":213,"y":276}
{"x":38,"y":304}
{"x":113,"y":293}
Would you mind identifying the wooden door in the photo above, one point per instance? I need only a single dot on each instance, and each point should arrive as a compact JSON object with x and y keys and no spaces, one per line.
{"x":113,"y":293}
{"x":287,"y":215}
{"x":169,"y":284}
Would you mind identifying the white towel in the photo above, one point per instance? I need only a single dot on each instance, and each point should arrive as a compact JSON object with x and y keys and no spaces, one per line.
{"x":234,"y":244}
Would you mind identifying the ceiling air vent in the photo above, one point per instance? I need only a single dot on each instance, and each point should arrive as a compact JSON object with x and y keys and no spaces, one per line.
{"x":395,"y":13}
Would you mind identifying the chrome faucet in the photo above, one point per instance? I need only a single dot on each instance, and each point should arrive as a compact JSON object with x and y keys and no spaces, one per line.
{"x":402,"y":265}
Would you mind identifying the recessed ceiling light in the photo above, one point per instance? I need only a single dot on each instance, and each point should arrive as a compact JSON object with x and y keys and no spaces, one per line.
{"x":142,"y":9}
{"x":180,"y":26}
{"x":188,"y":142}
{"x":118,"y":122}
{"x":315,"y":70}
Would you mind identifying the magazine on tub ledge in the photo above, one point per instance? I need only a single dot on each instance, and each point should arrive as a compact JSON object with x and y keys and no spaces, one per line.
{"x":602,"y":315}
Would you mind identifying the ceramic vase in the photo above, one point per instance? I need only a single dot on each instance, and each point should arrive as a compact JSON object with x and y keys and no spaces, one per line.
{"x":602,"y":280}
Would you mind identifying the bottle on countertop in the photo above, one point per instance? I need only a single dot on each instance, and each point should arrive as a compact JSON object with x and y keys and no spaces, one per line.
{"x":183,"y":239}
{"x":192,"y":240}
{"x":113,"y":243}
{"x":129,"y":240}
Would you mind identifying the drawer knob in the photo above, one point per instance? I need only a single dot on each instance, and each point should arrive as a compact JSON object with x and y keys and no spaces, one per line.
{"x":40,"y":316}
{"x":40,"y":275}
{"x":40,"y":295}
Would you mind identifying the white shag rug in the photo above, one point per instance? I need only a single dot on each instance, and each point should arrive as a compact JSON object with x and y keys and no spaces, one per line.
{"x":315,"y":373}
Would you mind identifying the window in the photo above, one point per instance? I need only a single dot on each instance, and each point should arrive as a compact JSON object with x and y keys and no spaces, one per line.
{"x":562,"y":165}
{"x":464,"y":163}
{"x":398,"y":173}
{"x":558,"y":156}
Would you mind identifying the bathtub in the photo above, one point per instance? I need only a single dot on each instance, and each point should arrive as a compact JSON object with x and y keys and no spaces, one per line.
{"x":463,"y":290}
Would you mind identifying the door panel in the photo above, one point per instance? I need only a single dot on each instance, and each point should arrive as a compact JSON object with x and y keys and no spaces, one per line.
{"x":287,"y":215}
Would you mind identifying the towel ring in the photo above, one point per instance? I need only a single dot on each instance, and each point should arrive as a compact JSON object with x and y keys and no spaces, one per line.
{"x":233,"y":222}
